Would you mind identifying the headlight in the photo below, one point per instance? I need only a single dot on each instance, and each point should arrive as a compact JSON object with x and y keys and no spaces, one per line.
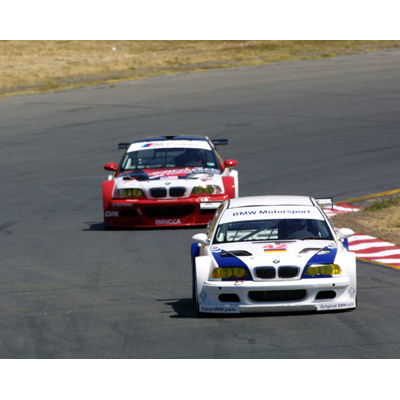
{"x":230,"y":273}
{"x":124,"y":193}
{"x":319,"y":270}
{"x":207,"y":189}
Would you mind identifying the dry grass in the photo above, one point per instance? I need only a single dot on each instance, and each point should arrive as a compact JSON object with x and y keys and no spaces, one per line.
{"x":31,"y":66}
{"x":381,"y":220}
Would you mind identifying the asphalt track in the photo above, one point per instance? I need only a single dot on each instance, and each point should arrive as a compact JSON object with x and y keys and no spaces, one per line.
{"x":70,"y":289}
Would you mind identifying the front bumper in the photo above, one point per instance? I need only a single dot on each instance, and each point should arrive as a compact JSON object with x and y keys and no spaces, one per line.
{"x":320,"y":294}
{"x":161,"y":213}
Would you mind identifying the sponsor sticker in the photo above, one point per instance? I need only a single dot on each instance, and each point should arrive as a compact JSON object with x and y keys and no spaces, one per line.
{"x":336,"y":306}
{"x":215,"y":249}
{"x":111,"y":214}
{"x":219,"y":309}
{"x":209,"y":205}
{"x":275,"y":248}
{"x":168,"y":221}
{"x":173,"y":144}
{"x":270,"y":212}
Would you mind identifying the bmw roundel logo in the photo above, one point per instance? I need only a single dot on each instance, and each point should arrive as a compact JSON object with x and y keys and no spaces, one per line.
{"x":168,"y":183}
{"x":276,"y":261}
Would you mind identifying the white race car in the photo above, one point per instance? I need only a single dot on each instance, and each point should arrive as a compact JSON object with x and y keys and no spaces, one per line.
{"x":273,"y":254}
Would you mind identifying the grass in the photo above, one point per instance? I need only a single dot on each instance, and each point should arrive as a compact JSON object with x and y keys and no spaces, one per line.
{"x":37,"y":66}
{"x":382,"y":204}
{"x":381,"y":219}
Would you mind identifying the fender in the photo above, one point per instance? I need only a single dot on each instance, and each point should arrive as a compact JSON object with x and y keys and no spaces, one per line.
{"x":229,"y":186}
{"x":235,"y":175}
{"x":202,"y":271}
{"x":108,"y":187}
{"x":195,"y":250}
{"x":349,"y":260}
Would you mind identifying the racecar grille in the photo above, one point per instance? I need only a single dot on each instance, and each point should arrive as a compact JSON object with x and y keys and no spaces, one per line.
{"x":288,"y":272}
{"x":158,"y":192}
{"x":325,"y":294}
{"x":129,"y":213}
{"x":162,"y":192}
{"x":177,"y":191}
{"x":205,"y":211}
{"x":169,"y":211}
{"x":284,"y":272}
{"x":267,"y":296}
{"x":229,"y":298}
{"x":265,"y":272}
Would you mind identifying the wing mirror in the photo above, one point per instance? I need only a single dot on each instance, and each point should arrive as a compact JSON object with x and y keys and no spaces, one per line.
{"x":111,"y":167}
{"x":230,"y":163}
{"x":201,"y":238}
{"x":345,"y":233}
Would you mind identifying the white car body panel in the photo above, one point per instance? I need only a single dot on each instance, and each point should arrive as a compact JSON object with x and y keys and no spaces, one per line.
{"x":322,"y":293}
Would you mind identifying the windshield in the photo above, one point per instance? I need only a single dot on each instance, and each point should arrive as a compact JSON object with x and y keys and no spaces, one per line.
{"x":169,"y":158}
{"x":272,"y":229}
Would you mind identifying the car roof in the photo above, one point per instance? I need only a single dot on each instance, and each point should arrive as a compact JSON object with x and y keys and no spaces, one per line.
{"x":271,"y":200}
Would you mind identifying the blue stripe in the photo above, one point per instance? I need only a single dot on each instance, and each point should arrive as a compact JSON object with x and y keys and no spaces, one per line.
{"x":230,"y":262}
{"x":321,"y":259}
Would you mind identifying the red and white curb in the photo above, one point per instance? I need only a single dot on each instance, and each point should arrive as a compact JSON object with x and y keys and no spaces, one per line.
{"x":368,"y":247}
{"x":372,"y":249}
{"x":340,"y":209}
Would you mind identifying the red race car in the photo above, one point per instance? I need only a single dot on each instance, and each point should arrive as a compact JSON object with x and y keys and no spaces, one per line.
{"x":168,"y":181}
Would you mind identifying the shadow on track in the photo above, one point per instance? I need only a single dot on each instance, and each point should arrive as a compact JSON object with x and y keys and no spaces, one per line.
{"x":185,"y":308}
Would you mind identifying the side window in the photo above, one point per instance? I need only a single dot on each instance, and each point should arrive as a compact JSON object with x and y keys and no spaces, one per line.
{"x":220,"y":159}
{"x":129,"y":162}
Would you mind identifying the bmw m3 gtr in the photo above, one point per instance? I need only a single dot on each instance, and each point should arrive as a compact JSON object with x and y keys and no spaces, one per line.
{"x":272,"y":254}
{"x":168,"y":181}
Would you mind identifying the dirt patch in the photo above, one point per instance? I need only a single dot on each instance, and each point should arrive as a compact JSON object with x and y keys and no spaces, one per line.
{"x":379,"y":218}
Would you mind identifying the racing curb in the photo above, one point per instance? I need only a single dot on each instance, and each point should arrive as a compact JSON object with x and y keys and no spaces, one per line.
{"x":369,"y":248}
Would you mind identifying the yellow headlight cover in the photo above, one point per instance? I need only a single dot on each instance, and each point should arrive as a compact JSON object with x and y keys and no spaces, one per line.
{"x":226,"y":272}
{"x":137,"y":192}
{"x":229,"y":273}
{"x":132,"y":193}
{"x":323,"y":269}
{"x":198,"y":190}
{"x":126,"y":192}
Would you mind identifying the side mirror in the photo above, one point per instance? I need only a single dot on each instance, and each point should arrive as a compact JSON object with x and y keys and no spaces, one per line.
{"x":230,"y":163}
{"x":345,"y":233}
{"x":111,"y":167}
{"x":201,"y":238}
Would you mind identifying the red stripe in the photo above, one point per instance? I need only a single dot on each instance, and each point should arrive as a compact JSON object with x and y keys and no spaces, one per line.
{"x":354,"y":242}
{"x":376,"y":250}
{"x":375,"y":257}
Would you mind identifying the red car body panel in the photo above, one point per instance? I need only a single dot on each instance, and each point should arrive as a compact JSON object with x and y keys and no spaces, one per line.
{"x":167,"y":211}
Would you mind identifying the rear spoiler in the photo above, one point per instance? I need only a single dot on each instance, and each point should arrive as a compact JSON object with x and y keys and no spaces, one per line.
{"x":325,"y":202}
{"x":125,"y":145}
{"x":220,"y":141}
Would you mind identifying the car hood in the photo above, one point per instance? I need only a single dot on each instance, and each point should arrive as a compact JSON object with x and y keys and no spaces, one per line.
{"x":275,"y":253}
{"x":172,"y":177}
